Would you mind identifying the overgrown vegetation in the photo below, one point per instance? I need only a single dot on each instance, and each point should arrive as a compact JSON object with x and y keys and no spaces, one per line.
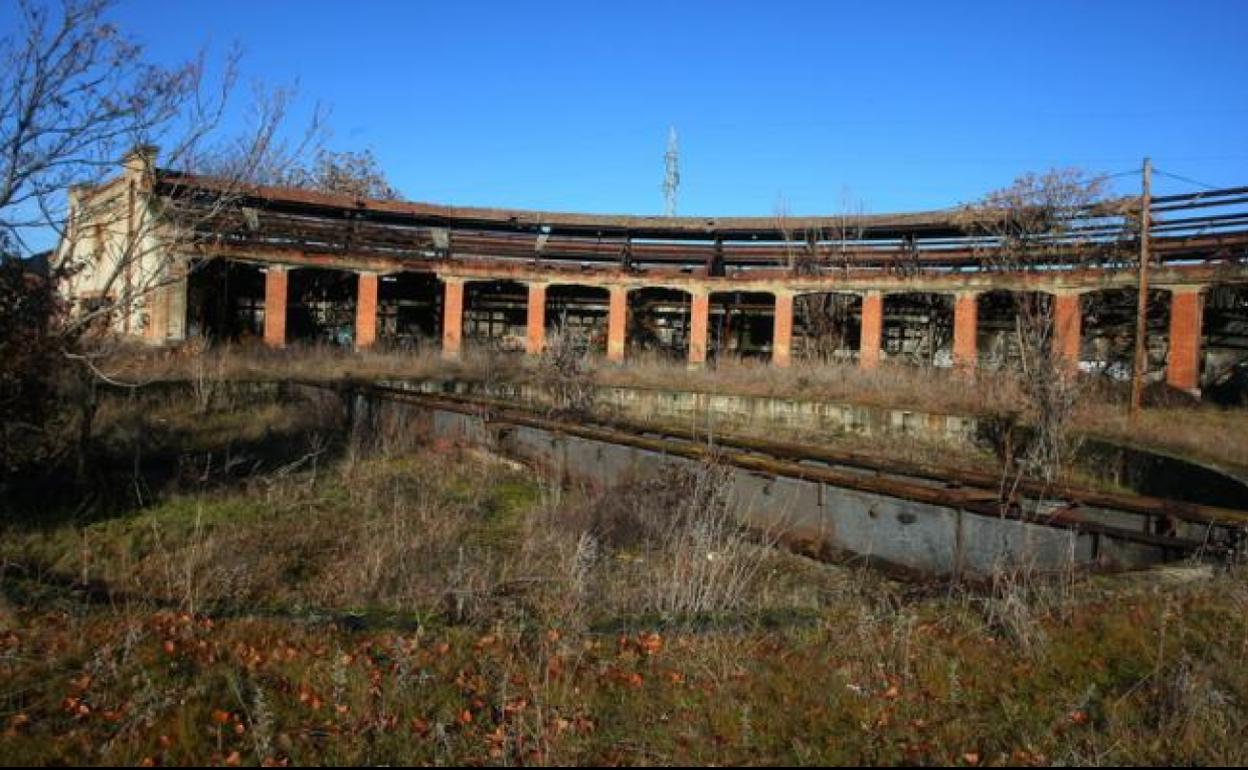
{"x":1202,"y":431}
{"x":354,"y":594}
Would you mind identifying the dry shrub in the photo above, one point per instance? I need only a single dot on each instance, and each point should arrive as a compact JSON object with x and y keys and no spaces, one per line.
{"x":1190,"y":709}
{"x":563,"y":371}
{"x":675,"y":547}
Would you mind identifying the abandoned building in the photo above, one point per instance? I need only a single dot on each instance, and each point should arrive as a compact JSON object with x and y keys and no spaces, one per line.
{"x":204,"y":259}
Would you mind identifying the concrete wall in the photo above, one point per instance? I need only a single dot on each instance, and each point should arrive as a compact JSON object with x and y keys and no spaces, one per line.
{"x":1141,"y":470}
{"x":727,"y":411}
{"x":913,"y":536}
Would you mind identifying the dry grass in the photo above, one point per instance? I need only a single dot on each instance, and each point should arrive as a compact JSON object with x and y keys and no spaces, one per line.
{"x":407,"y":604}
{"x":1209,"y":433}
{"x":1206,"y":432}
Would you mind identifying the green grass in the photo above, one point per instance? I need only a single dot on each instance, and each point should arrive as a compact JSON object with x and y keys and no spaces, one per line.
{"x":426,"y":608}
{"x":1109,"y":686}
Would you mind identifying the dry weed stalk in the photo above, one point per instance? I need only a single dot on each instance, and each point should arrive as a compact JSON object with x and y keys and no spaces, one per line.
{"x":564,"y":372}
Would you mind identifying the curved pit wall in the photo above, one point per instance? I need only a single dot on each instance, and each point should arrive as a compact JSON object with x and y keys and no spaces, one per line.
{"x":1140,"y":470}
{"x":922,"y":535}
{"x":910,"y":536}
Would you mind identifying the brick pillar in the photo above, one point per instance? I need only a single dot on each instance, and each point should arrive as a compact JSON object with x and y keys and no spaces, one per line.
{"x":535,"y":337}
{"x":366,"y":311}
{"x":276,"y":281}
{"x":966,"y":331}
{"x":1183,"y":367}
{"x":453,"y":317}
{"x":1067,"y":329}
{"x":699,"y":317}
{"x":617,"y":324}
{"x":872,"y":330}
{"x":782,"y":330}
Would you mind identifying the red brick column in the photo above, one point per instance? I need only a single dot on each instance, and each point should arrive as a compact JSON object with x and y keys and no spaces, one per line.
{"x":617,"y":324}
{"x":966,"y":332}
{"x":1067,"y":329}
{"x":782,"y":330}
{"x":366,"y":311}
{"x":699,"y":317}
{"x":535,"y":333}
{"x":872,"y":330}
{"x":452,"y":317}
{"x":1183,"y":367}
{"x":275,"y":289}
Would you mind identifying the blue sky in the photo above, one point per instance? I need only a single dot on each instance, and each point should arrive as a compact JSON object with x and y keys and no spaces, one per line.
{"x":893,"y":106}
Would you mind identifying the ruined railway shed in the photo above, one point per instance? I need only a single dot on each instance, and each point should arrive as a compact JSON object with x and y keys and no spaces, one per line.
{"x":287,"y":264}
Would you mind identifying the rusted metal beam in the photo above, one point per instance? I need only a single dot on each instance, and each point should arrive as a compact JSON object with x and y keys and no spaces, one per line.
{"x":963,"y":488}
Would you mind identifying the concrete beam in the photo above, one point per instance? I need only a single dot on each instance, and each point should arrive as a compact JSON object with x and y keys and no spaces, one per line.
{"x":766,"y":280}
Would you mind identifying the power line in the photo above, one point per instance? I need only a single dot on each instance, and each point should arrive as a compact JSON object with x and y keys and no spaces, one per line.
{"x":1185,"y":179}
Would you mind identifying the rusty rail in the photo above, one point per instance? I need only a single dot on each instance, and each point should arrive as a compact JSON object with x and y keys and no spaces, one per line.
{"x":969,"y":491}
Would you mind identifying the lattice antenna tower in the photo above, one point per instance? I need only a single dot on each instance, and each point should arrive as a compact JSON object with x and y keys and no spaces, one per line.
{"x":671,"y":180}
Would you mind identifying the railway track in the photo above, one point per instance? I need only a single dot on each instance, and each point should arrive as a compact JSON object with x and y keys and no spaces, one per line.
{"x":1170,"y":528}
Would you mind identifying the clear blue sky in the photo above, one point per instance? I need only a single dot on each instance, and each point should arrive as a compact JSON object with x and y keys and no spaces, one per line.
{"x":898,"y":105}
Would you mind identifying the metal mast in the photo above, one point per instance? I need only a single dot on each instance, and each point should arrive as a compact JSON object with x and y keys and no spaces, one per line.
{"x":671,"y":180}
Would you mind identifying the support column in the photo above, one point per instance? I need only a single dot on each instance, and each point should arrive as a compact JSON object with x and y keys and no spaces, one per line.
{"x":699,"y":317}
{"x":617,"y":324}
{"x":782,"y":330}
{"x":872,"y":330}
{"x":535,"y":337}
{"x":452,"y":317}
{"x":1183,"y":366}
{"x":966,"y":332}
{"x":157,"y":330}
{"x":276,"y":281}
{"x":1067,"y":329}
{"x":366,"y":311}
{"x":175,"y":294}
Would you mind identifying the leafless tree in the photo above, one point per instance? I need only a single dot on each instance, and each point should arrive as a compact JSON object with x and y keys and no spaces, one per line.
{"x":563,"y":370}
{"x":1039,"y":224}
{"x":76,"y":95}
{"x":825,"y":317}
{"x":347,"y":173}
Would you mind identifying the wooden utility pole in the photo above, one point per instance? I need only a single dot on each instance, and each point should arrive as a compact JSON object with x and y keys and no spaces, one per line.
{"x":1141,"y":312}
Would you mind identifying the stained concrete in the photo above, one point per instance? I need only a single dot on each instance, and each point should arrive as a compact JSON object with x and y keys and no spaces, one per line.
{"x":915,"y":536}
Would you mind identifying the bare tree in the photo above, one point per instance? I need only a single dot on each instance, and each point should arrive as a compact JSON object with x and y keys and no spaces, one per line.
{"x":826,"y":316}
{"x":347,"y":173}
{"x":1040,"y":223}
{"x":75,"y":96}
